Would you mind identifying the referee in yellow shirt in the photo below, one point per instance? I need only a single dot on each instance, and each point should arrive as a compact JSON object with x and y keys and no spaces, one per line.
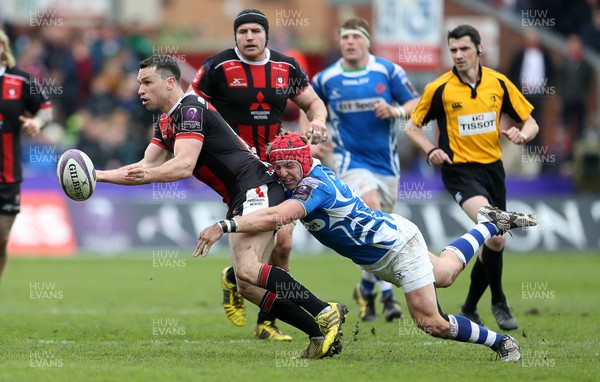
{"x":467,"y":103}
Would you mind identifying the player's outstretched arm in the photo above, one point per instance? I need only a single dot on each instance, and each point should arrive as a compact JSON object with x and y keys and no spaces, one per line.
{"x":264,"y":220}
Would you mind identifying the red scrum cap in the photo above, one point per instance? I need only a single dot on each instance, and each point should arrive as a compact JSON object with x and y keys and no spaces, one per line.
{"x":291,"y":147}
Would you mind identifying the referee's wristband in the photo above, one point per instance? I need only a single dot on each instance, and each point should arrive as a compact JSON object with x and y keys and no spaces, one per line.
{"x":431,"y":152}
{"x":228,"y":225}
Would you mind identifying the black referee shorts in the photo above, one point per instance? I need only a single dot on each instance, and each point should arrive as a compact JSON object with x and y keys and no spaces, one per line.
{"x":464,"y":181}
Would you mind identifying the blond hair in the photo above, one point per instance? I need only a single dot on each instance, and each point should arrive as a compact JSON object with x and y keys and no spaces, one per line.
{"x":7,"y":56}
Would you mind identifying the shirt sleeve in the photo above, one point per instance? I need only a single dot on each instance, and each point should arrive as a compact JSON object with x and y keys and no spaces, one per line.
{"x":402,"y":89}
{"x":191,"y":122}
{"x":514,"y":103}
{"x":313,"y":194}
{"x":35,"y":96}
{"x":202,"y":82}
{"x":316,"y":84}
{"x":423,"y":112}
{"x":298,"y":80}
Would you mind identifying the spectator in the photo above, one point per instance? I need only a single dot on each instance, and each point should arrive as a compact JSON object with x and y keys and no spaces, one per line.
{"x":573,"y":84}
{"x":590,"y":31}
{"x":532,"y":71}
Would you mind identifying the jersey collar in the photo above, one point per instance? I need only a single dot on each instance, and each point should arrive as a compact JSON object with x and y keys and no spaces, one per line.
{"x":263,"y":62}
{"x":473,"y":88}
{"x":356,"y":72}
{"x":178,"y":102}
{"x":2,"y":70}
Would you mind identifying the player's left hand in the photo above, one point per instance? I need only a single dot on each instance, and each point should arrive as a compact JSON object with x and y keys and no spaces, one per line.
{"x":30,"y":126}
{"x":207,"y":238}
{"x":514,"y":135}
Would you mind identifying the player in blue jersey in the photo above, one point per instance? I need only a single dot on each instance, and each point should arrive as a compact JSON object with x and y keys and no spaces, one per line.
{"x":366,"y":95}
{"x":387,"y":245}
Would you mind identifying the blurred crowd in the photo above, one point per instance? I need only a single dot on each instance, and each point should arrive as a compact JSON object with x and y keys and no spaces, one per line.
{"x":90,"y":75}
{"x":561,"y":87}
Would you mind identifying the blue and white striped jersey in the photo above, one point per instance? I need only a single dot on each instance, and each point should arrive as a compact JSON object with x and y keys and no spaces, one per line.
{"x":340,"y":220}
{"x":360,"y":139}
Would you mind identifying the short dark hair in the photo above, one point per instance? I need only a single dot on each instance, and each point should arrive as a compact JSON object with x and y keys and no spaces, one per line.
{"x":465,"y":30}
{"x":165,"y":65}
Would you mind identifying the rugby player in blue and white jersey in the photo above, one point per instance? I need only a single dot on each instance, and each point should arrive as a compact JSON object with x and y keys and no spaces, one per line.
{"x":366,"y":95}
{"x":387,"y":245}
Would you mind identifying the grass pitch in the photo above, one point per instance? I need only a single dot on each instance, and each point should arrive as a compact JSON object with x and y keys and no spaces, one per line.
{"x":157,"y":316}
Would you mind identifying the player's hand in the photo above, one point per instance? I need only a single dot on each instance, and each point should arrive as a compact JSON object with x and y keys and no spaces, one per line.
{"x":438,"y":157}
{"x":30,"y":126}
{"x":317,"y":131}
{"x":135,"y":174}
{"x":384,"y":110}
{"x":207,"y":238}
{"x":514,"y":135}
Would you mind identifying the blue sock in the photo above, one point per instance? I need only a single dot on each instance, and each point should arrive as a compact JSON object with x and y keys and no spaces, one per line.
{"x":367,"y":287}
{"x":385,"y":288}
{"x":464,"y":330}
{"x":467,"y":245}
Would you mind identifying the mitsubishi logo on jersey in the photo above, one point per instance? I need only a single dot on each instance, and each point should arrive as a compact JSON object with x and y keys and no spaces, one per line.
{"x":263,"y":105}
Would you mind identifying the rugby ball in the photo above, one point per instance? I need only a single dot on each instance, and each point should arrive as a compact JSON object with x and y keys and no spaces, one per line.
{"x":76,"y":174}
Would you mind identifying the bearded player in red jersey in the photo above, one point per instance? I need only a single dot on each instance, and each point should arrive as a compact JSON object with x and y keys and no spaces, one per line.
{"x":24,"y":108}
{"x":249,"y":85}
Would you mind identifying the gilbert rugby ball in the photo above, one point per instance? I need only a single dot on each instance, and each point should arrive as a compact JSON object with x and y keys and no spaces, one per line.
{"x":76,"y":174}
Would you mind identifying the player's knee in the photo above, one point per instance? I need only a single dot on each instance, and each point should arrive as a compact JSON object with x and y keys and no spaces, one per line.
{"x":443,"y":280}
{"x":243,"y":287}
{"x":244,"y":276}
{"x":448,"y":269}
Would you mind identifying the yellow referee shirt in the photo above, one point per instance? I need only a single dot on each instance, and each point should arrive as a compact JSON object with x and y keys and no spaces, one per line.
{"x":469,"y":117}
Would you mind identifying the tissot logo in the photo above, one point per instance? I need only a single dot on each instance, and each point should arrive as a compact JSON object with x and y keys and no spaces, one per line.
{"x":457,"y":105}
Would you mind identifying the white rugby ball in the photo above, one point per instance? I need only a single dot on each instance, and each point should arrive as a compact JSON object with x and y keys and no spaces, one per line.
{"x":76,"y":174}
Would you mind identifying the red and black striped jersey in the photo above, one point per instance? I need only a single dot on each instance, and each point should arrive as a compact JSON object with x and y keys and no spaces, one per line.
{"x":225,"y":163}
{"x":251,"y":96}
{"x":19,"y":94}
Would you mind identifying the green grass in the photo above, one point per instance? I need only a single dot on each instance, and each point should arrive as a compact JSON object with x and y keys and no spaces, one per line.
{"x":123,"y":319}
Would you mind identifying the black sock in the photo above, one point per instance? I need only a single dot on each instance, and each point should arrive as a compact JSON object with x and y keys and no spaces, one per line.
{"x":230,"y":276}
{"x":492,"y":261}
{"x":264,"y":316}
{"x":289,"y":313}
{"x":281,"y":283}
{"x":479,"y":283}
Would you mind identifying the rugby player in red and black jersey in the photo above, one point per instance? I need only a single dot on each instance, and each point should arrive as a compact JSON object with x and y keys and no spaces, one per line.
{"x":249,"y":85}
{"x":24,"y":108}
{"x":192,"y":139}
